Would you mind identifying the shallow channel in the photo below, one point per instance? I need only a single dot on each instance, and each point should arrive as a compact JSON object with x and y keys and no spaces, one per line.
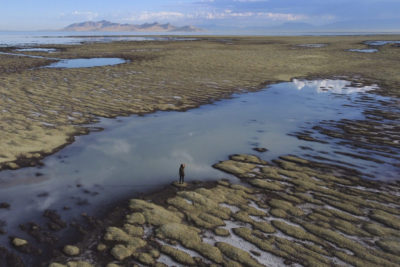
{"x":86,"y":62}
{"x":140,"y":153}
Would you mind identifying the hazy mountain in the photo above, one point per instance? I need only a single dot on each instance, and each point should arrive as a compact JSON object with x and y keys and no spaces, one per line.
{"x":383,"y":25}
{"x":117,"y":27}
{"x":365,"y":25}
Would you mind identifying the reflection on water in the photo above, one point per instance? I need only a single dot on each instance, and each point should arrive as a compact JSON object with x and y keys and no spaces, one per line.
{"x":47,"y":50}
{"x":137,"y":153}
{"x":379,"y":43}
{"x":74,"y":63}
{"x":312,"y":45}
{"x":333,"y":86}
{"x":86,"y":62}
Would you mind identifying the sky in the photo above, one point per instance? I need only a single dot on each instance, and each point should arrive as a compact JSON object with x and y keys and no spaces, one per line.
{"x":56,"y":14}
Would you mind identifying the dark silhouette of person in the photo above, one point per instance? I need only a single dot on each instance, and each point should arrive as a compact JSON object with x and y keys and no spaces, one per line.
{"x":182,"y":173}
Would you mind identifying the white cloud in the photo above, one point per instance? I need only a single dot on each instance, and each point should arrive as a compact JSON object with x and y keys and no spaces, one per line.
{"x":89,"y":15}
{"x":257,"y":15}
{"x":162,"y":15}
{"x":199,"y":15}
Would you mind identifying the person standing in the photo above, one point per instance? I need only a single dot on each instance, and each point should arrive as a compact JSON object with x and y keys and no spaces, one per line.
{"x":182,"y":173}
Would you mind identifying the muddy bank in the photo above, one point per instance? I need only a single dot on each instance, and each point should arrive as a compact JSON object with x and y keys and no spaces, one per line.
{"x":287,"y":211}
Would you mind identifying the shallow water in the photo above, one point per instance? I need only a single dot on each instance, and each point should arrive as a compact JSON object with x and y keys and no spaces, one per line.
{"x":46,"y":50}
{"x":24,"y":55}
{"x":364,"y":50}
{"x":379,"y":43}
{"x":313,"y":45}
{"x":11,"y":38}
{"x":74,"y":63}
{"x":86,"y":62}
{"x":138,"y":153}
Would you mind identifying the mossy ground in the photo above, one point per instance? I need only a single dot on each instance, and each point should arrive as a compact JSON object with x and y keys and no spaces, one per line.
{"x":314,"y":221}
{"x":43,"y":108}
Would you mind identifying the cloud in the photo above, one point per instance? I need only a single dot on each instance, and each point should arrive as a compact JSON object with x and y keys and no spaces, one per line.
{"x":88,"y":15}
{"x":162,"y":15}
{"x":215,"y":15}
{"x":226,"y":14}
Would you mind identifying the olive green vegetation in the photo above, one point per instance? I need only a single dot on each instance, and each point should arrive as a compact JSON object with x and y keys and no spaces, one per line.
{"x":43,"y":108}
{"x":311,"y":219}
{"x":178,"y":255}
{"x":71,"y":250}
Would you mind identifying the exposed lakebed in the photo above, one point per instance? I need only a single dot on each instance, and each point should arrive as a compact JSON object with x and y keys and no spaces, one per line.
{"x":138,"y":153}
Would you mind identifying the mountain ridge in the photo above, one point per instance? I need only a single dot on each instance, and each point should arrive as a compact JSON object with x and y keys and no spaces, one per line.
{"x":104,"y":25}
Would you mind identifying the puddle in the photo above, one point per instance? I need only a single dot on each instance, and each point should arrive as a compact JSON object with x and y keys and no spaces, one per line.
{"x":364,"y":50}
{"x":46,"y":50}
{"x":86,"y":62}
{"x":312,"y":45}
{"x":139,"y":153}
{"x":379,"y":43}
{"x":74,"y":63}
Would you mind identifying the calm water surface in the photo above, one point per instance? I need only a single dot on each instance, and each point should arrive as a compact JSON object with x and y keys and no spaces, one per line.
{"x":137,"y":153}
{"x":26,"y":39}
{"x":86,"y":62}
{"x":370,"y":50}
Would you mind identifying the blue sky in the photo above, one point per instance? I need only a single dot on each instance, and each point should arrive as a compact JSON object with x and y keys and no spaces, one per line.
{"x":46,"y":14}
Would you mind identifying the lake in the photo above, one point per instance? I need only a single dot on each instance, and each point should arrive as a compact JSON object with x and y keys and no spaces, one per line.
{"x":136,"y":154}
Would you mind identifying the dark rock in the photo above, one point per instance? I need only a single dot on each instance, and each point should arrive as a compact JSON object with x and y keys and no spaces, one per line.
{"x":92,"y":221}
{"x":23,"y":246}
{"x":287,"y":262}
{"x":40,"y":235}
{"x":79,"y":228}
{"x":82,"y":202}
{"x":55,"y":223}
{"x":260,"y":149}
{"x":4,"y":205}
{"x":9,"y":259}
{"x":255,"y":253}
{"x":44,"y":194}
{"x":2,"y":224}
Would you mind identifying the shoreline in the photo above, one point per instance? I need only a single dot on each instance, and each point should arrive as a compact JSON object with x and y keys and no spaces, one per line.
{"x":161,"y":194}
{"x":85,"y":128}
{"x":267,"y":188}
{"x":153,"y":55}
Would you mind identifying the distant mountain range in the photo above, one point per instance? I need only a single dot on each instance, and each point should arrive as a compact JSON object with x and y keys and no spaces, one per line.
{"x":372,"y":25}
{"x":108,"y":26}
